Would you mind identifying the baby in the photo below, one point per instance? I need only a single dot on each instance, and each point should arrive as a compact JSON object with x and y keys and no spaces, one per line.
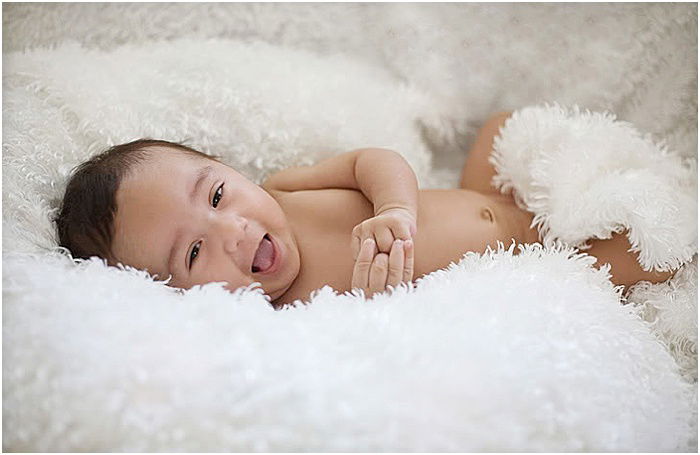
{"x":356,"y":220}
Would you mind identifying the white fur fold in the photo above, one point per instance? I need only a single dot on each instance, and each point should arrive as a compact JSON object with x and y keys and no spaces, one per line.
{"x":586,"y":175}
{"x":461,"y":362}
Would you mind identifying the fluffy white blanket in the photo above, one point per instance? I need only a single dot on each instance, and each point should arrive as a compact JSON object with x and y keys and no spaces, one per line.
{"x":549,"y":362}
{"x":585,"y":175}
{"x":97,"y":358}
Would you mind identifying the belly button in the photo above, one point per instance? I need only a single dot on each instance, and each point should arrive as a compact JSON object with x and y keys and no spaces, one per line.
{"x":487,"y":214}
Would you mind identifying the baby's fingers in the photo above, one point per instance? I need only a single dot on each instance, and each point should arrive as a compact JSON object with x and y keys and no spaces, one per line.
{"x":408,"y":261}
{"x":378,"y":273}
{"x":355,"y":246}
{"x":396,"y":264}
{"x":360,"y":273}
{"x":385,"y":239}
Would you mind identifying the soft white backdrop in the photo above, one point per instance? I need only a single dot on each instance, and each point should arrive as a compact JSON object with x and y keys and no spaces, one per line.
{"x":637,"y":60}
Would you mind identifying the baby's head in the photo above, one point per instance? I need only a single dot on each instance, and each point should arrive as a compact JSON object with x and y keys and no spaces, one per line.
{"x":173,"y":211}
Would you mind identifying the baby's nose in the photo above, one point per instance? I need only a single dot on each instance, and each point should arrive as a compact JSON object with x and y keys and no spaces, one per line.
{"x":234,"y":230}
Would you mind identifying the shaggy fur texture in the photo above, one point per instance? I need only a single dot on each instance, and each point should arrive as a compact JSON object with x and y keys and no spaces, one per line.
{"x":98,"y":358}
{"x":585,"y":175}
{"x":620,"y":180}
{"x":637,"y":60}
{"x":460,"y":363}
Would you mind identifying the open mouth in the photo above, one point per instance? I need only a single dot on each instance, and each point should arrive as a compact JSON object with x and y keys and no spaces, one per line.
{"x":265,"y":255}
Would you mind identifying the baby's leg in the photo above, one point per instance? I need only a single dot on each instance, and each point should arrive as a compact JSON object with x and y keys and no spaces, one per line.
{"x":477,"y":171}
{"x":624,"y":267}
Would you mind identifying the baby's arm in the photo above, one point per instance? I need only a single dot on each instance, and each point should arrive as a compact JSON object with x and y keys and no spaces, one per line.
{"x":391,"y":185}
{"x":383,"y":176}
{"x":386,"y":180}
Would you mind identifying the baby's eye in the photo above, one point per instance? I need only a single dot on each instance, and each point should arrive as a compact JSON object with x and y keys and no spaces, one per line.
{"x":217,"y":196}
{"x":194,"y":253}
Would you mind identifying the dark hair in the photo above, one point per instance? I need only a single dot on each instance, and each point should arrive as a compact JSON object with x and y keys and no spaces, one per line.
{"x":85,"y":221}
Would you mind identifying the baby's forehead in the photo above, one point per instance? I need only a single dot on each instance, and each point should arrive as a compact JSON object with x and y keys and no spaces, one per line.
{"x":160,"y":152}
{"x":156,"y":156}
{"x":172,"y":164}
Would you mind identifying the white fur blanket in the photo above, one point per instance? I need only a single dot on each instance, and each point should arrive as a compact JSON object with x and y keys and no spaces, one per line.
{"x":462,"y":363}
{"x":585,"y":175}
{"x":101,"y":359}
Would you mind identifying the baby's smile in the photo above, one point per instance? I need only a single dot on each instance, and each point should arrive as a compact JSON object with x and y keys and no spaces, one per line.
{"x":266,"y":258}
{"x":199,"y":221}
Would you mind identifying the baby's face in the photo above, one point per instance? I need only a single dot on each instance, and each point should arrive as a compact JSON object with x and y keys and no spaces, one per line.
{"x":200,"y":221}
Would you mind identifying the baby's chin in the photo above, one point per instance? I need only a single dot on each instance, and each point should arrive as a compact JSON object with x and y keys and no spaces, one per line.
{"x":270,"y":290}
{"x":275,"y":292}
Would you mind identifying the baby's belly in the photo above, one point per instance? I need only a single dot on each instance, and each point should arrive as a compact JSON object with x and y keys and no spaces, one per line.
{"x":454,"y":221}
{"x":450,"y":223}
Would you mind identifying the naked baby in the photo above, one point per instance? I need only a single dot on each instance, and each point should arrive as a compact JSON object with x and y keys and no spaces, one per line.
{"x":356,"y":220}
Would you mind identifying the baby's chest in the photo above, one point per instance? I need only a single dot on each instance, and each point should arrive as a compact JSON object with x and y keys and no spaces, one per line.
{"x":322,"y":222}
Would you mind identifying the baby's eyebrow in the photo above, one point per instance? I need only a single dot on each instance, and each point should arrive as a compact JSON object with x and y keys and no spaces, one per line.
{"x":201,"y":176}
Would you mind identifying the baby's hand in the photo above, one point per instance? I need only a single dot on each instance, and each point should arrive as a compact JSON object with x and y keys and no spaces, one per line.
{"x":374,"y":272}
{"x":384,"y":228}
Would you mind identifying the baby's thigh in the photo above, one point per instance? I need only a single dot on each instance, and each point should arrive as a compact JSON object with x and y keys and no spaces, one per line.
{"x":625,"y":268}
{"x":477,"y":171}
